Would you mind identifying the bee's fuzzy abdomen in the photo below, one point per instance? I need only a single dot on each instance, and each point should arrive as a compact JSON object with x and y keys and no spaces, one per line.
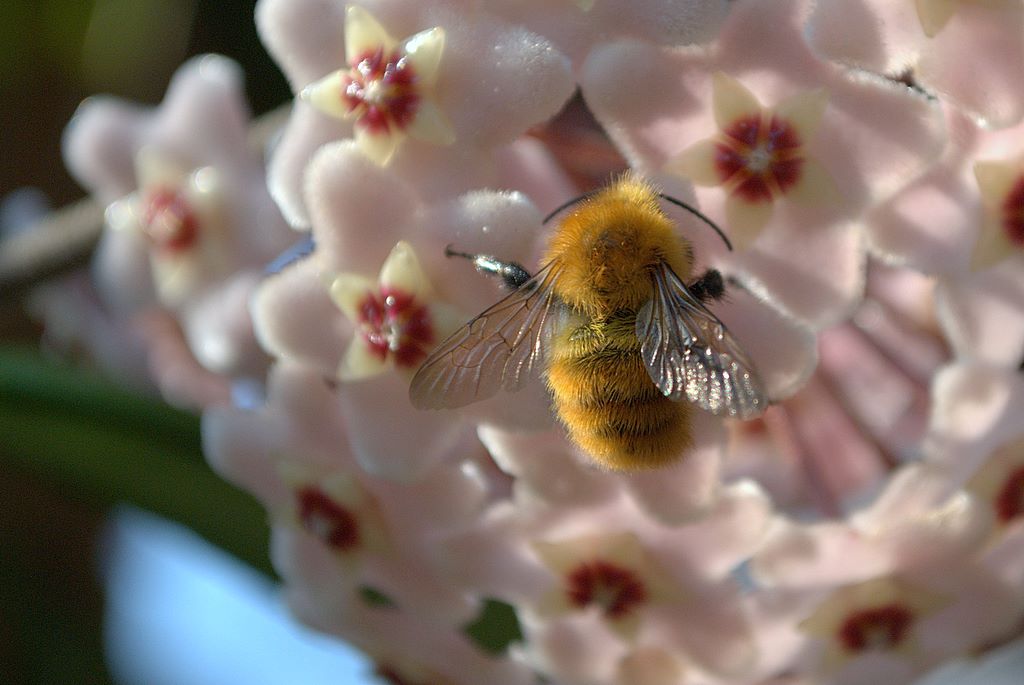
{"x":609,"y":404}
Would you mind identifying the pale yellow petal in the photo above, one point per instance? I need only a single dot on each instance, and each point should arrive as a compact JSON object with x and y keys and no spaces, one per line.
{"x":803,"y":111}
{"x":559,"y":556}
{"x":731,"y":100}
{"x":360,"y":362}
{"x":364,"y":34}
{"x":325,"y":94}
{"x":744,"y":220}
{"x":431,"y":125}
{"x":154,"y":169}
{"x":349,"y":291}
{"x":995,"y":180}
{"x":625,"y":550}
{"x":553,"y":603}
{"x":402,"y":271}
{"x":934,"y":14}
{"x":585,"y":5}
{"x":697,"y":163}
{"x":814,"y":187}
{"x":423,"y":51}
{"x":380,"y":147}
{"x":993,"y":245}
{"x":175,"y":277}
{"x":343,"y":489}
{"x":626,"y":627}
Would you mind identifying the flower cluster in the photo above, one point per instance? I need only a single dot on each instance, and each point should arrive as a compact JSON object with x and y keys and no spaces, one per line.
{"x":866,"y":163}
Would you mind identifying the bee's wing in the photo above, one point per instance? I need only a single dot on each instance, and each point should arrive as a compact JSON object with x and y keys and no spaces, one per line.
{"x":690,"y":353}
{"x":500,"y":348}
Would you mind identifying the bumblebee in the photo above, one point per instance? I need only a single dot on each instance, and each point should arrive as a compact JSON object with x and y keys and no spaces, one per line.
{"x":613,"y":327}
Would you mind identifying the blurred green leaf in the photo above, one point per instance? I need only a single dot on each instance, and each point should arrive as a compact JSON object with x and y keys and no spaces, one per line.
{"x":102,"y":445}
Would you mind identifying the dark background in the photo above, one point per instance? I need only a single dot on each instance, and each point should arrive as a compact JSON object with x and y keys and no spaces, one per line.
{"x":53,"y":54}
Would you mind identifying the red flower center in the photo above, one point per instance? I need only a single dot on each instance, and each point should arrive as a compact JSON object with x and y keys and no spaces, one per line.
{"x":168,"y":221}
{"x":759,"y":160}
{"x":1013,"y":213}
{"x":332,"y":523}
{"x":394,"y":323}
{"x":380,"y":91}
{"x":1009,"y":502}
{"x":879,"y":628}
{"x":614,"y":589}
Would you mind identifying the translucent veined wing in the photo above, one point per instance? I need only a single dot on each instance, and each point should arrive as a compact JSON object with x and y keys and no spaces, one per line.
{"x":690,"y":353}
{"x":499,"y":349}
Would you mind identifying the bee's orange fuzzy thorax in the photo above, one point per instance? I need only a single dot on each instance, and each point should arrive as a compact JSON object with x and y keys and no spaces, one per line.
{"x":608,"y":246}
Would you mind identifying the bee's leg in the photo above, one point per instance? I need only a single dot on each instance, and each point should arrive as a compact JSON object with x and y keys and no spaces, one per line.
{"x":511,"y":274}
{"x":708,"y":287}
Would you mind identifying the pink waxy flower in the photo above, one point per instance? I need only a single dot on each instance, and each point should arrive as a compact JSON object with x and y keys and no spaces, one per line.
{"x":968,"y":53}
{"x":387,"y":87}
{"x":909,"y":589}
{"x":180,"y":216}
{"x":190,"y":223}
{"x":876,"y":616}
{"x":611,"y":575}
{"x":759,"y":156}
{"x":578,"y":26}
{"x":396,"y":323}
{"x":337,"y":528}
{"x":461,"y":75}
{"x":963,"y":213}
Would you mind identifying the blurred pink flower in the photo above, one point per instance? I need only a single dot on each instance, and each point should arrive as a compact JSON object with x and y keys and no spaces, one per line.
{"x":190,"y":224}
{"x":928,"y":39}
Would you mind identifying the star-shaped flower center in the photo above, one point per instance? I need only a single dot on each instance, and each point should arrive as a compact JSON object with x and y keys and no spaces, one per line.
{"x":616,"y":590}
{"x":397,"y":320}
{"x":759,"y":158}
{"x":876,"y":629}
{"x":168,"y":220}
{"x":380,"y":91}
{"x":395,"y":324}
{"x":336,"y":526}
{"x":877,"y":615}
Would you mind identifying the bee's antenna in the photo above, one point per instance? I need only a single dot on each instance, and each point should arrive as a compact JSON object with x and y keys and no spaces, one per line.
{"x":570,"y":203}
{"x":449,"y":252}
{"x":512,"y":274}
{"x":699,"y":215}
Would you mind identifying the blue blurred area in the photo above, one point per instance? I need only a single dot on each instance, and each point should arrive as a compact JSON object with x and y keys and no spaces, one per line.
{"x":182,"y":612}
